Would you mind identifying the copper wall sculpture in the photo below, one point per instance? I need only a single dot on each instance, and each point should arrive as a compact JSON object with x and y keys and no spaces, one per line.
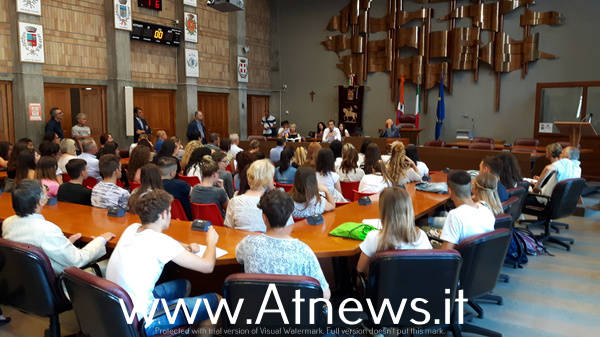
{"x":447,"y":51}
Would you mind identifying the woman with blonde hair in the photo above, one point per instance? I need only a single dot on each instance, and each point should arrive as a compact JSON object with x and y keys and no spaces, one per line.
{"x":400,"y":168}
{"x":349,"y":170}
{"x":299,"y":157}
{"x":398,"y":230}
{"x":242,"y":211}
{"x":311,"y":154}
{"x":189,"y":149}
{"x":68,"y":151}
{"x":293,"y":135}
{"x":485,"y":191}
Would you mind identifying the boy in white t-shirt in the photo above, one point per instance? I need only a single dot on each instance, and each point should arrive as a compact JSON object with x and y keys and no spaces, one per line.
{"x":141,"y":254}
{"x":468,"y":218}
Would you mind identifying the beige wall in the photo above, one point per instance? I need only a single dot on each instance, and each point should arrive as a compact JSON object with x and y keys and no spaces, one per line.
{"x":213,"y":47}
{"x":75,"y":39}
{"x":258,"y":38}
{"x":6,"y":45}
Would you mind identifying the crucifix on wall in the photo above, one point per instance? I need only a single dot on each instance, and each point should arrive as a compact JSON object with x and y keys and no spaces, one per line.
{"x":312,"y":96}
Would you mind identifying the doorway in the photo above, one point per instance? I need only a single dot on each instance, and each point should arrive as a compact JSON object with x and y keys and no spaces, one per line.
{"x":257,"y":105}
{"x":159,"y":108}
{"x":7,"y":129}
{"x":75,"y":99}
{"x":215,"y":109}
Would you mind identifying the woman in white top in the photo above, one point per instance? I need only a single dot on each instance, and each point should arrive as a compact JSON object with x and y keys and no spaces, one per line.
{"x":400,"y":168}
{"x":306,"y":194}
{"x":194,"y":165}
{"x":69,"y":151}
{"x":375,"y":181}
{"x":485,"y":191}
{"x":398,"y":230}
{"x":413,"y":154}
{"x":349,"y":170}
{"x":343,"y":130}
{"x":242,"y":211}
{"x":326,"y":175}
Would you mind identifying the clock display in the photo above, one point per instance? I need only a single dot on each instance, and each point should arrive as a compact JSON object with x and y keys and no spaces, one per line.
{"x":149,"y":32}
{"x":152,"y":4}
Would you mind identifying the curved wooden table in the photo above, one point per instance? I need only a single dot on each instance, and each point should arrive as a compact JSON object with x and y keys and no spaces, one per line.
{"x":91,"y":221}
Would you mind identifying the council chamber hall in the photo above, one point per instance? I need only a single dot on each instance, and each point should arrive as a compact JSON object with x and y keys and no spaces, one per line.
{"x":299,"y":167}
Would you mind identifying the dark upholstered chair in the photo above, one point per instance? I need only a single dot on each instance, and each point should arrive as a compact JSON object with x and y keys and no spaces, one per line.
{"x":482,"y":140}
{"x":483,"y":256}
{"x":253,"y":287}
{"x":504,"y":221}
{"x":526,"y":142}
{"x":257,"y":137}
{"x":28,"y":283}
{"x":481,"y":146}
{"x":561,"y":204}
{"x":400,"y":274}
{"x":521,"y":193}
{"x":407,"y":122}
{"x":512,"y":206}
{"x":523,"y":149}
{"x":439,"y":143}
{"x":97,"y":306}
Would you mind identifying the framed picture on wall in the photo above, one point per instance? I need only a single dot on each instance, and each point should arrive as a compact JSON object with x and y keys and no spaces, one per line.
{"x":190,"y":3}
{"x":31,"y":42}
{"x":29,"y":7}
{"x":123,"y":14}
{"x":191,"y":63}
{"x":191,"y":27}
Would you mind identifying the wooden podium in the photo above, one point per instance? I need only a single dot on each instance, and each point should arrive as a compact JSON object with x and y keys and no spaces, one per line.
{"x":575,"y":130}
{"x":411,"y":133}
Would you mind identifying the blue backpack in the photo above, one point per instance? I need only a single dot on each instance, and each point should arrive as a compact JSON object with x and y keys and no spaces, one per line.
{"x":516,"y":255}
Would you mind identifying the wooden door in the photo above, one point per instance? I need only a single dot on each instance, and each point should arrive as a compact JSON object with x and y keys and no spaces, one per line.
{"x":59,"y":96}
{"x":7,"y":129}
{"x":215,"y":110}
{"x":257,"y":105}
{"x":159,"y":108}
{"x":92,"y":102}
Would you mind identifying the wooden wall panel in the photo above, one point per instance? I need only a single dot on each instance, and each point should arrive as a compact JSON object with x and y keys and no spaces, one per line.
{"x":159,"y":108}
{"x":213,"y":47}
{"x":93,"y":104}
{"x":258,"y":38}
{"x":153,"y":63}
{"x":214,"y":108}
{"x":7,"y":129}
{"x":164,"y":17}
{"x":6,"y":43}
{"x":257,"y":105}
{"x":75,"y":39}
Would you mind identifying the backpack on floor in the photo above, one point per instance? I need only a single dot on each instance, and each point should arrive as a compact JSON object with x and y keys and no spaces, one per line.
{"x":532,"y":245}
{"x":516,"y":255}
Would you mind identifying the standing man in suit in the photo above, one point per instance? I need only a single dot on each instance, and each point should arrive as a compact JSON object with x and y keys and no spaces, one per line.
{"x":53,"y":125}
{"x":140,"y":125}
{"x":196,"y":129}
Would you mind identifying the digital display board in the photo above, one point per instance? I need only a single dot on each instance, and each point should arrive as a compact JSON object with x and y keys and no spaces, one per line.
{"x":149,"y":32}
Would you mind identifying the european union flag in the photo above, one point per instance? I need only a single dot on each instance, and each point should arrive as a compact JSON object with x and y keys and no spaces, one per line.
{"x":441,"y":110}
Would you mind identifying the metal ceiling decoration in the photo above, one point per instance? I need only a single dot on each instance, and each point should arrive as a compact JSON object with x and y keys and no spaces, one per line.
{"x":434,"y":52}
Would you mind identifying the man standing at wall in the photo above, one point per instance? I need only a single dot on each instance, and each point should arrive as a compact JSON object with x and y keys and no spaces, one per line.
{"x":140,"y":125}
{"x":269,"y":123}
{"x":53,"y":125}
{"x":196,"y":129}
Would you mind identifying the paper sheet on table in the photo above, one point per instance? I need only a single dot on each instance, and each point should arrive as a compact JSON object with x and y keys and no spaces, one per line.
{"x":220,"y":252}
{"x":372,"y":222}
{"x":531,"y":181}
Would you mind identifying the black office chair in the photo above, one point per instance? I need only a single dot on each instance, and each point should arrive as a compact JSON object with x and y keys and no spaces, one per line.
{"x":97,"y":307}
{"x":252,"y":288}
{"x":504,"y":221}
{"x":483,"y":256}
{"x":395,"y":275}
{"x":28,"y":283}
{"x":561,"y":203}
{"x":521,"y":193}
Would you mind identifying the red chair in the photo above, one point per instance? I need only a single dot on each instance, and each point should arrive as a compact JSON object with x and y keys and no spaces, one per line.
{"x":348,"y":188}
{"x":358,"y":195}
{"x":527,"y":142}
{"x":481,"y":146}
{"x":482,"y":140}
{"x":297,"y":219}
{"x":177,"y":211}
{"x":133,"y":185}
{"x":90,"y":182}
{"x":66,"y":177}
{"x":208,"y":212}
{"x":191,"y":180}
{"x":285,"y":187}
{"x":340,"y":204}
{"x":439,"y":143}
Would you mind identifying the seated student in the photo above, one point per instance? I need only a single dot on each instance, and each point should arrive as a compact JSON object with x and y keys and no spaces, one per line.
{"x":375,"y":181}
{"x":413,"y":154}
{"x":194,"y":164}
{"x":105,"y":138}
{"x":29,"y":226}
{"x":150,"y":180}
{"x":161,"y":136}
{"x":107,"y":194}
{"x":68,"y":151}
{"x":222,"y":160}
{"x":336,"y":147}
{"x":140,"y":156}
{"x":568,"y":167}
{"x":327,"y":176}
{"x":510,"y":174}
{"x":109,"y":148}
{"x":179,"y":189}
{"x":493,"y":165}
{"x":306,"y":194}
{"x":168,"y":150}
{"x":5,"y":149}
{"x":254,"y":146}
{"x":469,"y":217}
{"x":363,"y":150}
{"x":242,"y":211}
{"x":89,"y":155}
{"x":284,"y":172}
{"x":349,"y":170}
{"x":276,"y":252}
{"x":275,"y":152}
{"x":485,"y":192}
{"x":206,"y":192}
{"x":312,"y":153}
{"x":26,"y":163}
{"x":553,"y":153}
{"x":398,"y":230}
{"x":400,"y":168}
{"x":73,"y":191}
{"x":299,"y":157}
{"x":187,"y":153}
{"x":178,"y":147}
{"x":45,"y":171}
{"x":141,"y":254}
{"x":240,"y":181}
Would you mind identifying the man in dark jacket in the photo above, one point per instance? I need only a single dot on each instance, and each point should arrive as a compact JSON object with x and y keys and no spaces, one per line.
{"x":140,"y":125}
{"x":196,"y":129}
{"x":53,"y":124}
